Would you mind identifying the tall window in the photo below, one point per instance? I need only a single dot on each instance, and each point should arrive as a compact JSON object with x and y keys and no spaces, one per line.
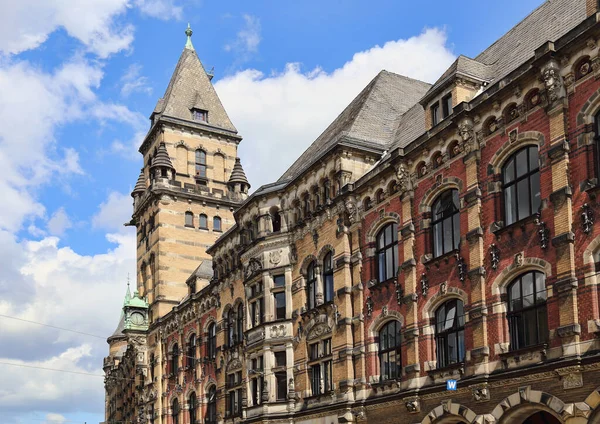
{"x":319,"y":362}
{"x":276,"y":221}
{"x":445,"y":223}
{"x":203,"y":221}
{"x":211,"y":408}
{"x":447,"y":105}
{"x":328,"y":276}
{"x":326,"y":191}
{"x":257,"y":304}
{"x":233,"y":401}
{"x":230,"y":328}
{"x":279,"y":305}
{"x":191,"y":351}
{"x":389,"y":351}
{"x":152,"y":365}
{"x":387,"y":252}
{"x":175,"y":359}
{"x":450,"y":333}
{"x":527,"y":316}
{"x":521,"y":185}
{"x":256,"y":380}
{"x":193,"y":406}
{"x":435,"y":114}
{"x":189,"y":219}
{"x":175,"y":411}
{"x":311,"y":285}
{"x":211,"y":343}
{"x":200,"y":163}
{"x":217,"y":224}
{"x":240,"y":322}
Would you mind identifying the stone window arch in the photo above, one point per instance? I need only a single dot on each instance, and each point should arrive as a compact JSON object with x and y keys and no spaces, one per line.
{"x":445,"y":223}
{"x":521,"y":185}
{"x":528,"y":138}
{"x":511,"y":112}
{"x":390,"y":362}
{"x":450,"y":333}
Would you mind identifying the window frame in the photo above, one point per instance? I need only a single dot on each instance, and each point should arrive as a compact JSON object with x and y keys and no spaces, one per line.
{"x":200,"y":164}
{"x":517,"y":327}
{"x":189,"y":219}
{"x":385,"y":352}
{"x":311,"y":284}
{"x":441,"y":221}
{"x":175,"y":359}
{"x":211,"y":341}
{"x":200,"y":115}
{"x":203,"y":218}
{"x":217,"y":224}
{"x":320,"y":359}
{"x":257,"y":301}
{"x":193,"y":407}
{"x":456,"y":330}
{"x":191,"y":351}
{"x":175,"y":411}
{"x":529,"y":176}
{"x":435,"y":114}
{"x":211,"y":408}
{"x":233,"y":398}
{"x":446,"y":106}
{"x":386,"y":251}
{"x":328,"y":282}
{"x":256,"y":380}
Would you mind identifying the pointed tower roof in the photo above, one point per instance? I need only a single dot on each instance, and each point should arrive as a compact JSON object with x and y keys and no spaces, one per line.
{"x":190,"y":88}
{"x":238,"y":175}
{"x":140,"y":186}
{"x":162,"y":158}
{"x":118,"y":333}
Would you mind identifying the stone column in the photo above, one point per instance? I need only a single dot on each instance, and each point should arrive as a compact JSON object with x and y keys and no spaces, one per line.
{"x":269,"y":377}
{"x":269,"y":312}
{"x":475,"y":255}
{"x":288,"y":293}
{"x":319,"y":286}
{"x":284,"y":226}
{"x":561,"y":213}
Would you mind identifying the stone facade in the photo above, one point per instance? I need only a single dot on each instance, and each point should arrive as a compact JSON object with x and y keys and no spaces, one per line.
{"x":313,"y":270}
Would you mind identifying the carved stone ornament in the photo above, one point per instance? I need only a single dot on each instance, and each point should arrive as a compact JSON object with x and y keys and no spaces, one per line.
{"x":552,"y":82}
{"x":467,"y":134}
{"x":587,"y":218}
{"x":424,"y":285}
{"x":494,"y":256}
{"x":384,"y":311}
{"x":403,"y":178}
{"x":481,"y":393}
{"x":444,"y":288}
{"x":519,"y":259}
{"x":543,"y":232}
{"x":369,"y":305}
{"x":254,"y":266}
{"x":413,"y":405}
{"x":318,"y":331}
{"x":462,"y":268}
{"x":399,"y":292}
{"x":275,"y":257}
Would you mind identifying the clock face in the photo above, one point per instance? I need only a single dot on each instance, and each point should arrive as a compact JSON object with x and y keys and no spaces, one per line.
{"x":137,"y":318}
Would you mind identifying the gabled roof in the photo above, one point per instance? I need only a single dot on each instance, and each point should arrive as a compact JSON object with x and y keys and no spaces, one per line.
{"x":189,"y":88}
{"x":465,"y":67}
{"x":371,"y":118}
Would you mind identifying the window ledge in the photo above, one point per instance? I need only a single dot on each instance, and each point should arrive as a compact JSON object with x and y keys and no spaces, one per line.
{"x":445,"y":257}
{"x":524,"y":356}
{"x":455,"y":370}
{"x":499,"y":228}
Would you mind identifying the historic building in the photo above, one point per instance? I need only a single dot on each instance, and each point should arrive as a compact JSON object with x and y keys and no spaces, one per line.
{"x":430,"y":258}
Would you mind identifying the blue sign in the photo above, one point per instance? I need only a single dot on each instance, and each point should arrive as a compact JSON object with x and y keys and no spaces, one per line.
{"x":450,"y":384}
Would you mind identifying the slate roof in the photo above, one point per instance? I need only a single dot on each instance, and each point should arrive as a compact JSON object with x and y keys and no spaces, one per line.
{"x":189,"y":88}
{"x":140,"y":185}
{"x":118,"y":333}
{"x":204,"y":270}
{"x":466,"y":67}
{"x":237,"y":174}
{"x":372,"y":117}
{"x":162,"y":158}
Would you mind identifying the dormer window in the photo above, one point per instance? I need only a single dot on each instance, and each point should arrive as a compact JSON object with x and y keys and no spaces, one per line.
{"x":447,"y":106}
{"x":435,"y":114}
{"x":200,"y":115}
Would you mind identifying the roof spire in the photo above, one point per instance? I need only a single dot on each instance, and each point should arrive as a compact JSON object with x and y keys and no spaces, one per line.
{"x":128,"y":293}
{"x":188,"y":43}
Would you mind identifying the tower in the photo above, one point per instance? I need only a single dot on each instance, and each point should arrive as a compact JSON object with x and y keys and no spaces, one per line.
{"x":189,"y":186}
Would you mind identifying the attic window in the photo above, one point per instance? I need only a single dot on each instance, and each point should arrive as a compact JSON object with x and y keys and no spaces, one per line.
{"x":435,"y":114}
{"x":200,"y":115}
{"x":447,"y":105}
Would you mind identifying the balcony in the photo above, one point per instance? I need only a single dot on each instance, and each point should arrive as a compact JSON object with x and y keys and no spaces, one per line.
{"x":277,"y":331}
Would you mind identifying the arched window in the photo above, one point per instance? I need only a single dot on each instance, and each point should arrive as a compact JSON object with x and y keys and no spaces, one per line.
{"x":328,"y":277}
{"x":217,"y":224}
{"x":189,"y":219}
{"x":211,"y":342}
{"x":211,"y":409}
{"x":200,"y":163}
{"x":389,"y":351}
{"x":450,"y":333}
{"x":527,"y":316}
{"x":191,"y":351}
{"x":193,"y":406}
{"x":326,"y":191}
{"x":203,"y":222}
{"x":175,"y":359}
{"x":521,"y":185}
{"x":230,"y":328}
{"x":311,"y":285}
{"x":175,"y":411}
{"x":240,"y":322}
{"x":276,"y":221}
{"x":445,"y":222}
{"x":387,"y":252}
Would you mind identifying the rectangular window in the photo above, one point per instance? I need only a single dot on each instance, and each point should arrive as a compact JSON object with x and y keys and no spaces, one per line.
{"x":281,"y":378}
{"x":315,"y":379}
{"x":280,"y":359}
{"x":435,"y":114}
{"x":200,"y":115}
{"x":447,"y":105}
{"x":279,"y":280}
{"x":280,"y":305}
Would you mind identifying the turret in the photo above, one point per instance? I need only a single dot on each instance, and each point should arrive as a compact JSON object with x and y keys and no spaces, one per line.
{"x":238,"y":183}
{"x":161,"y":168}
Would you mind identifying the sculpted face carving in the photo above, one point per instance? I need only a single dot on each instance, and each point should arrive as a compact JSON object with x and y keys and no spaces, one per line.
{"x":403,"y":178}
{"x":552,"y":82}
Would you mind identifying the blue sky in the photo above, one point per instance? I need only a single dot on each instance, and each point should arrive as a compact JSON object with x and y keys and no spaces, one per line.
{"x":77,"y":84}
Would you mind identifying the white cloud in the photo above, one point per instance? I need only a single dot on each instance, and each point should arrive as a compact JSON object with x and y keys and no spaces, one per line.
{"x":114,"y":212}
{"x":248,"y":38}
{"x":26,"y":24}
{"x":133,"y":82}
{"x":280,"y":114}
{"x":160,"y":9}
{"x":55,"y":419}
{"x":59,"y":222}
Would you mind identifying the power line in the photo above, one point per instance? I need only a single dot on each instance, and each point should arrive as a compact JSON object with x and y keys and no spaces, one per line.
{"x":65,"y":371}
{"x":52,"y":326}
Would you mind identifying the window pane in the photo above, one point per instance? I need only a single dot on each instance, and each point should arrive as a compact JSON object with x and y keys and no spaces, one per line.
{"x":540,"y":289}
{"x":460,"y":314}
{"x":522,"y":166}
{"x":509,"y":171}
{"x":523,"y":198}
{"x":440,"y":351}
{"x":461,"y":345}
{"x":533,"y":158}
{"x":527,"y":287}
{"x":452,"y":348}
{"x":380,"y":240}
{"x":447,"y":235}
{"x":530,"y":324}
{"x":510,"y":204}
{"x":437,"y":239}
{"x":388,"y":234}
{"x":450,"y":316}
{"x":536,"y":198}
{"x":280,"y":305}
{"x":279,"y":280}
{"x":381,"y":270}
{"x":456,"y":224}
{"x":389,"y":262}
